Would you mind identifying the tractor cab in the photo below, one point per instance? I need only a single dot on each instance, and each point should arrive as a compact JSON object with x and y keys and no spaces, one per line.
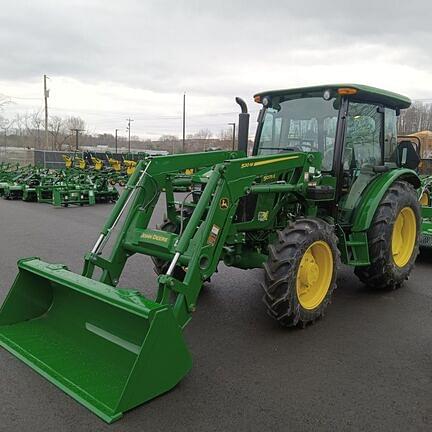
{"x":352,"y":126}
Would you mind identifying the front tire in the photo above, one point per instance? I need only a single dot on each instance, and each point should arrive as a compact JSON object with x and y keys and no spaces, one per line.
{"x":393,"y":238}
{"x":300,"y":274}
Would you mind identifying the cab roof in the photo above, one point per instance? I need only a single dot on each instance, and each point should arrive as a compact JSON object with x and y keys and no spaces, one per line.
{"x":364,"y":94}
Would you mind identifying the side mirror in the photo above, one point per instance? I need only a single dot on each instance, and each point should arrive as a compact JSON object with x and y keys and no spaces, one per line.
{"x":407,"y":155}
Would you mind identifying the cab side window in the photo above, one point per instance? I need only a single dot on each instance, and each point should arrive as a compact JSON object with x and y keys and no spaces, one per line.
{"x":390,"y":134}
{"x":363,"y":136}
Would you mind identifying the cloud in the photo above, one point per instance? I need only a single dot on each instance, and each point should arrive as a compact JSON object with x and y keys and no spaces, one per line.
{"x":137,"y":58}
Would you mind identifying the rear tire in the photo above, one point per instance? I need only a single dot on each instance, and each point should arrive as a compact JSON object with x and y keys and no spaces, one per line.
{"x":393,"y":240}
{"x":300,"y":274}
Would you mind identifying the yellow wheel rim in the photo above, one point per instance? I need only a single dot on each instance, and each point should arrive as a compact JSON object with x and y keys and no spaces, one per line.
{"x":424,"y":199}
{"x":314,"y":275}
{"x":404,"y":236}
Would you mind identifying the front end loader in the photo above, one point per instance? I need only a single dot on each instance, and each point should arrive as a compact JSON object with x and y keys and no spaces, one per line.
{"x":322,"y":186}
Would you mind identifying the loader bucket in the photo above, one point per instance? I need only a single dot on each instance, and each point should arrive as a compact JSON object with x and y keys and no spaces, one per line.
{"x":110,"y":349}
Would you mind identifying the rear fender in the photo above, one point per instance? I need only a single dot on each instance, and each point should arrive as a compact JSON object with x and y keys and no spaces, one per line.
{"x":375,"y":192}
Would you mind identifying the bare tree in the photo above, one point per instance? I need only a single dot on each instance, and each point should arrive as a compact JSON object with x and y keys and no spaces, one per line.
{"x":75,"y":123}
{"x":168,"y":138}
{"x":225,"y":134}
{"x":203,"y":134}
{"x":4,"y":100}
{"x":416,"y":118}
{"x":5,"y":126}
{"x":29,"y":125}
{"x":36,"y":123}
{"x":59,"y":132}
{"x":19,"y":124}
{"x":5,"y":123}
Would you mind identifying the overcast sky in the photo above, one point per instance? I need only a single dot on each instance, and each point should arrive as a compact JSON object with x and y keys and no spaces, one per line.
{"x":108,"y":60}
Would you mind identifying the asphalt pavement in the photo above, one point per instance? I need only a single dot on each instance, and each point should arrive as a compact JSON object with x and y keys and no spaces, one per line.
{"x":367,"y":366}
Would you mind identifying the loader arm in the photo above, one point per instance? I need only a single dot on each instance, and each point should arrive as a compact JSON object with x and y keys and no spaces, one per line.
{"x":200,"y":247}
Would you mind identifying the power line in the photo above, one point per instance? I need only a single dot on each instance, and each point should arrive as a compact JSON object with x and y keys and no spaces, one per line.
{"x":24,"y":98}
{"x":113,"y":115}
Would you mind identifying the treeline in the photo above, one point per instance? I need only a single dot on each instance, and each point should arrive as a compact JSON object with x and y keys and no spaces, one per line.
{"x":28,"y":130}
{"x":415,"y":119}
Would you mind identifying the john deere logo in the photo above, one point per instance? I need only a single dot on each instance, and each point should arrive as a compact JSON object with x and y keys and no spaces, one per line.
{"x":224,"y":203}
{"x":154,"y":237}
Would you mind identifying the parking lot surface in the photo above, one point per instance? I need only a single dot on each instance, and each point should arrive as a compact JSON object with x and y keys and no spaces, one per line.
{"x":366,"y":366}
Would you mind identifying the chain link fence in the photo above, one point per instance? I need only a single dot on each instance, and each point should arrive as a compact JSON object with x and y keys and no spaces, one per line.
{"x":23,"y":156}
{"x":54,"y":159}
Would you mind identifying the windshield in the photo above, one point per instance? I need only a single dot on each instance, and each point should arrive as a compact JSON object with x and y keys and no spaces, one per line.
{"x":306,"y":124}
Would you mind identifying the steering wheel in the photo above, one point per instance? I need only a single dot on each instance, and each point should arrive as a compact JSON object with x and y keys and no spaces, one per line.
{"x":290,"y":149}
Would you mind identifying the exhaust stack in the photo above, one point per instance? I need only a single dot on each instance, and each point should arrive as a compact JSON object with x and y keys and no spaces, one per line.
{"x":243,"y":126}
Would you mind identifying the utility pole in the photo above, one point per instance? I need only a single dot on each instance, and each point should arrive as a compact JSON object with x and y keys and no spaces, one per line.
{"x":5,"y":145}
{"x":129,"y":120}
{"x":46,"y":96}
{"x":233,"y":136}
{"x":77,"y":131}
{"x":184,"y":122}
{"x":116,"y":141}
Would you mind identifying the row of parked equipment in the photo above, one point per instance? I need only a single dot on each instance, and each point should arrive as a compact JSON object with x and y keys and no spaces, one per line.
{"x":60,"y":187}
{"x":85,"y":179}
{"x":120,"y":167}
{"x":117,"y":167}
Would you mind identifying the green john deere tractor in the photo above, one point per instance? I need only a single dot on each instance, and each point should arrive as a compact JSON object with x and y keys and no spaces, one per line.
{"x":326,"y":183}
